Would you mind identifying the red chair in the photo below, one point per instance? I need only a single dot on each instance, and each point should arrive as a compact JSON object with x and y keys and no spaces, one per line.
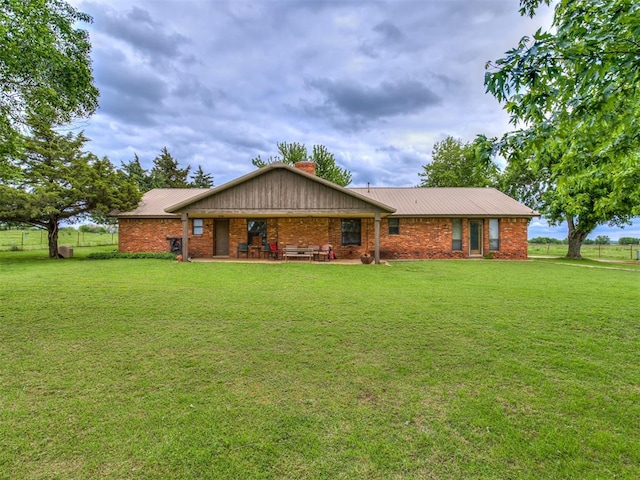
{"x":273,"y":250}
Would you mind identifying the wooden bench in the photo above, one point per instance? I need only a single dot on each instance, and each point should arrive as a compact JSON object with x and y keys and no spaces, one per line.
{"x":297,"y":252}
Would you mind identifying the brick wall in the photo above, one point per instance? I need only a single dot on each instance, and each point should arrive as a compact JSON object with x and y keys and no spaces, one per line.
{"x":418,"y":237}
{"x":151,"y":235}
{"x":147,"y":234}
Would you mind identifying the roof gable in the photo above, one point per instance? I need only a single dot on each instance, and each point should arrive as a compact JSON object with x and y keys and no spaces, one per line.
{"x":280,"y":189}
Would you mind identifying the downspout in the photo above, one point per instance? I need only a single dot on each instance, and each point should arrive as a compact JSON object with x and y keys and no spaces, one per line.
{"x":185,"y":237}
{"x":376,"y":229}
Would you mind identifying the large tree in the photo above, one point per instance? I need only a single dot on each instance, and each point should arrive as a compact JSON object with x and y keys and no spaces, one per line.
{"x":326,"y":167}
{"x":58,"y":181}
{"x":45,"y":69}
{"x":456,"y":164}
{"x":574,"y":93}
{"x":166,"y":172}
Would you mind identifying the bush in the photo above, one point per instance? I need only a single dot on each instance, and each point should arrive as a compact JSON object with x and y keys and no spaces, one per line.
{"x":628,"y":241}
{"x":111,"y":255}
{"x":90,"y":228}
{"x":545,"y":240}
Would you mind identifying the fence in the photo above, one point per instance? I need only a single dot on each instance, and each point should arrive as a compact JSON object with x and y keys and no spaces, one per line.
{"x":605,"y":252}
{"x":37,"y":239}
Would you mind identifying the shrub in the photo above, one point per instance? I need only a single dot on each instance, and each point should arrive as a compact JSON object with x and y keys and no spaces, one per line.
{"x":111,"y":255}
{"x":628,"y":241}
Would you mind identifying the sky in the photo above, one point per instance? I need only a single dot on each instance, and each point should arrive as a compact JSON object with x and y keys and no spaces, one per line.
{"x":376,"y":82}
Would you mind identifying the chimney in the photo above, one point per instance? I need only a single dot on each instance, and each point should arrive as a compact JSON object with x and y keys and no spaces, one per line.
{"x":306,"y":166}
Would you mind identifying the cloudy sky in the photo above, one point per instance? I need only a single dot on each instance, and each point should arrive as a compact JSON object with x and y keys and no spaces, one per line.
{"x":220,"y":82}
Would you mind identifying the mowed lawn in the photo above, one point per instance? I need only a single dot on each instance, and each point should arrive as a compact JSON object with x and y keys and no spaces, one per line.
{"x":425,"y":370}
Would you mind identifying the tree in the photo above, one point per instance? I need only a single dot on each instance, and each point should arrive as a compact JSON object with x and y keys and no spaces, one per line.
{"x":602,"y":240}
{"x":167,"y":174}
{"x":574,"y":92}
{"x":59,"y":181}
{"x":200,"y":179}
{"x":628,"y":241}
{"x":137,"y":174}
{"x":291,"y":153}
{"x":456,"y":164}
{"x":45,"y":69}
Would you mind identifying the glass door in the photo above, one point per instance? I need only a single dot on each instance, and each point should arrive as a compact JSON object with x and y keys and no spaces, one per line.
{"x":475,"y":237}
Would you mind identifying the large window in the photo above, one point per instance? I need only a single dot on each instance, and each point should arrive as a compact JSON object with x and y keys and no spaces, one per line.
{"x":256,"y":232}
{"x":351,"y":231}
{"x":494,"y":234}
{"x":198,"y":226}
{"x":456,"y":234}
{"x":394,"y":226}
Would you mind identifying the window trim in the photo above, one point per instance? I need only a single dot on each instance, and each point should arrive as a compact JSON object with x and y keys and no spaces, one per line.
{"x":197,"y":228}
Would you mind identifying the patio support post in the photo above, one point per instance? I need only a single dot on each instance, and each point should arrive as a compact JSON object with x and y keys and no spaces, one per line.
{"x":185,"y":237}
{"x":376,"y":230}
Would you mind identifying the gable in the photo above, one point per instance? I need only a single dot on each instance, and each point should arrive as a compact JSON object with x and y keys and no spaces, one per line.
{"x":280,"y":191}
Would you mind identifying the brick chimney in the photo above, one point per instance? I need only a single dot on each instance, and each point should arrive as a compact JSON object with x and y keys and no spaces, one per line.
{"x":306,"y":166}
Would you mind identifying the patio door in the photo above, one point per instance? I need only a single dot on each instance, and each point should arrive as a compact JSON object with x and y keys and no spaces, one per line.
{"x":475,"y":237}
{"x":221,"y":247}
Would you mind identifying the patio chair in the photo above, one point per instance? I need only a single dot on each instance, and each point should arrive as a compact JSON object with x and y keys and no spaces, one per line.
{"x":243,"y":248}
{"x":272,"y":249}
{"x":323,"y":252}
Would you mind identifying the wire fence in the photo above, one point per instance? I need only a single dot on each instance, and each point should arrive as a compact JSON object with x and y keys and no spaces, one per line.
{"x":37,"y":239}
{"x":605,"y":252}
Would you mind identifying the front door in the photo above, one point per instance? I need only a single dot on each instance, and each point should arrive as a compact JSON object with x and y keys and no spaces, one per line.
{"x":475,"y":237}
{"x":222,"y":238}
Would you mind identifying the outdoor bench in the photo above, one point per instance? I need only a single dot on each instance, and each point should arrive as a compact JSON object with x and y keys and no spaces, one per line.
{"x":297,"y":252}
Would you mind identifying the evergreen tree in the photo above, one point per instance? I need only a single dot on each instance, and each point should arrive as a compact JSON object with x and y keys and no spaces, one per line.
{"x":59,"y":181}
{"x":137,"y":174}
{"x":167,"y":174}
{"x":200,"y":179}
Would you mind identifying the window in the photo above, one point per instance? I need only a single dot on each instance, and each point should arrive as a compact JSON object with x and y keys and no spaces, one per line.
{"x":256,"y":232}
{"x":351,"y":231}
{"x":198,"y":226}
{"x":394,"y":226}
{"x":456,"y":234}
{"x":494,"y":234}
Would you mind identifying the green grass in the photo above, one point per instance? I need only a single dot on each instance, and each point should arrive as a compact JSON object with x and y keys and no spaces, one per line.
{"x":604,"y":252}
{"x":37,"y":239}
{"x":434,"y":369}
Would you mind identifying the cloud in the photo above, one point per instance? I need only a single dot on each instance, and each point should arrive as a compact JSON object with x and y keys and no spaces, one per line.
{"x":137,"y":28}
{"x":363,"y":104}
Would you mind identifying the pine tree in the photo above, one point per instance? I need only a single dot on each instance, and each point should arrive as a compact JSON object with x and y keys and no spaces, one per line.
{"x":200,"y":179}
{"x":167,"y":174}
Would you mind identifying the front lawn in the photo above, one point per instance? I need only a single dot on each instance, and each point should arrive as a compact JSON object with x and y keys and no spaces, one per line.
{"x":434,"y":369}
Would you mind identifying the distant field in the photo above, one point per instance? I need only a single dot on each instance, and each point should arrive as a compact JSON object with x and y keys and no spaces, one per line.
{"x":37,"y":239}
{"x":604,"y":252}
{"x":419,"y":370}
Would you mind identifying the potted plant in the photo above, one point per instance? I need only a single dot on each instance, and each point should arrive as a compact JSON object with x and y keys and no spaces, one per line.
{"x":366,"y":258}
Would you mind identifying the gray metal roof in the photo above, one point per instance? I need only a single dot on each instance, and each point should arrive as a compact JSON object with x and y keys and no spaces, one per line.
{"x":155,"y":201}
{"x":449,"y":202}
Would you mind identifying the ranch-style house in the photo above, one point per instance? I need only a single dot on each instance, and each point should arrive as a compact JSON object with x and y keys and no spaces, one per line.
{"x":283,"y":206}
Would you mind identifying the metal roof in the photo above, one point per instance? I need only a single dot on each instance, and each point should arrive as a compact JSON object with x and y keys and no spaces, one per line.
{"x":155,"y":201}
{"x":449,"y":202}
{"x":410,"y":201}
